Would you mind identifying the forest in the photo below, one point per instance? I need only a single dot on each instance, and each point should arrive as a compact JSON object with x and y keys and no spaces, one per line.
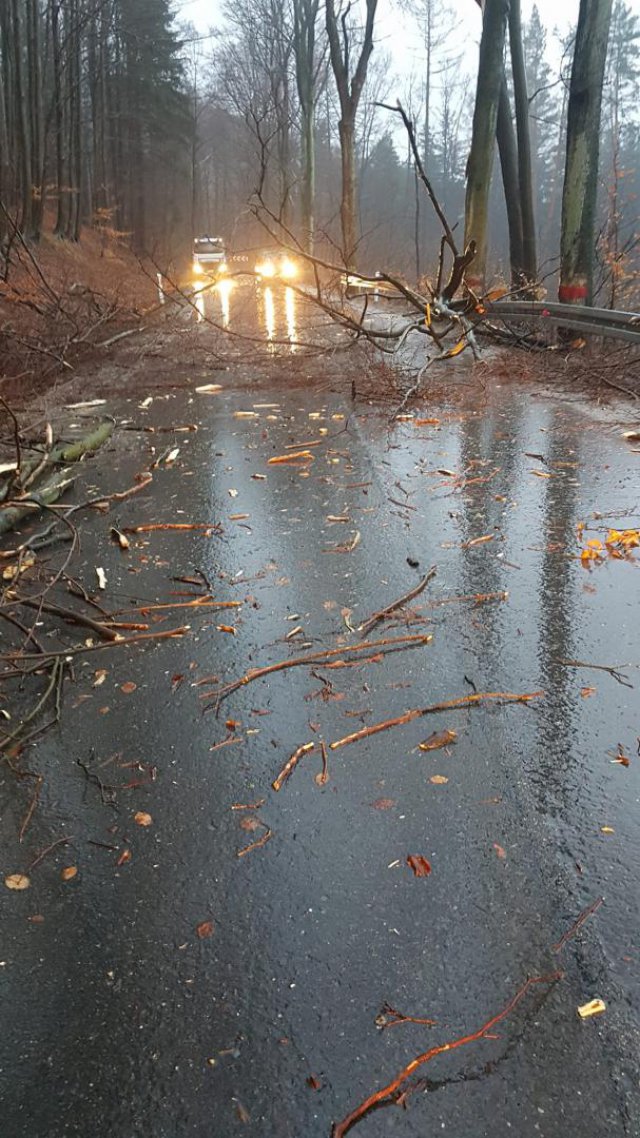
{"x":119,"y":116}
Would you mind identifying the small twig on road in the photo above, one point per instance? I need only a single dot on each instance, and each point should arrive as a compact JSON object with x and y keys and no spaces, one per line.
{"x":260,"y":842}
{"x":32,"y":805}
{"x":391,"y":1090}
{"x":121,"y":642}
{"x":49,"y":849}
{"x":446,"y":705}
{"x":367,"y":625}
{"x":389,"y":1017}
{"x":390,"y":642}
{"x":577,"y":924}
{"x":290,"y":764}
{"x":612,"y":669}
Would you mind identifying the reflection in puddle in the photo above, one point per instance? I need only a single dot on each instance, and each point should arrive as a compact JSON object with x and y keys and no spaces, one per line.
{"x":279,"y":316}
{"x":290,"y":313}
{"x":224,"y":288}
{"x":269,"y":316}
{"x":198,"y":300}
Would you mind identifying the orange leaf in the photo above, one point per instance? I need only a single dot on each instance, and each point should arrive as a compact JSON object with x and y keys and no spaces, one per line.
{"x":142,"y":819}
{"x":500,"y":851}
{"x":419,"y":864}
{"x":69,"y":872}
{"x":204,"y":929}
{"x":128,"y":687}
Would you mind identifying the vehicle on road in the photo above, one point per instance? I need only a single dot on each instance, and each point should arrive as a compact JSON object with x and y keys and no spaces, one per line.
{"x":276,"y":264}
{"x":209,"y":256}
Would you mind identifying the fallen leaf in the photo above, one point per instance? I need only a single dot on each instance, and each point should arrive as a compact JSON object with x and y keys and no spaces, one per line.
{"x":632,"y":436}
{"x":500,"y":851}
{"x":141,"y":818}
{"x":593,"y":1008}
{"x":125,"y":856}
{"x":100,"y":676}
{"x":102,"y":577}
{"x":438,"y":739}
{"x":232,"y":493}
{"x":176,"y":681}
{"x":128,"y":687}
{"x":17,"y":881}
{"x":383,"y":803}
{"x":607,"y":830}
{"x":69,"y":872}
{"x":208,"y":388}
{"x":314,"y":1083}
{"x":13,"y":571}
{"x":438,"y":779}
{"x":204,"y":929}
{"x":586,"y":692}
{"x":36,"y":919}
{"x":425,"y":422}
{"x":172,"y":456}
{"x":226,"y":628}
{"x":146,"y":403}
{"x":419,"y":864}
{"x":250,"y":824}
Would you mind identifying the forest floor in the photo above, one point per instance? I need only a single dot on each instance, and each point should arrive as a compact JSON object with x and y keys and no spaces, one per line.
{"x":246,"y":909}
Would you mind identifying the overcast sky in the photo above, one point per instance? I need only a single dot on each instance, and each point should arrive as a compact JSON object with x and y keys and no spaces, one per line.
{"x":395,"y":32}
{"x":555,"y":13}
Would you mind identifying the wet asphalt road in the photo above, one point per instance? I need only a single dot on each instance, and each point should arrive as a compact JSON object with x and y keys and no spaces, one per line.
{"x":118,"y":1019}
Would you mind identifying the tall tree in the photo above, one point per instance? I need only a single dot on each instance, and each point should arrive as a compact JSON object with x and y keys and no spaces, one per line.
{"x":349,"y":84}
{"x":485,"y":116}
{"x":525,"y":181}
{"x":583,"y":146}
{"x":305,"y":18}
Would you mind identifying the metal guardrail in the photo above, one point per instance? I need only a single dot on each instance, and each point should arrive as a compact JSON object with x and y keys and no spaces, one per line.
{"x":593,"y":321}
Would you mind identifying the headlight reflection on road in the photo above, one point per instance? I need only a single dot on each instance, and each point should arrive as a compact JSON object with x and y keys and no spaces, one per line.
{"x":198,"y":300}
{"x":269,"y":316}
{"x":224,"y":289}
{"x":290,"y":314}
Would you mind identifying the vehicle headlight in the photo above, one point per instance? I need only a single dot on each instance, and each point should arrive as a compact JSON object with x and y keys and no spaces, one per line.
{"x":288,"y":269}
{"x":197,"y":269}
{"x":267,"y":269}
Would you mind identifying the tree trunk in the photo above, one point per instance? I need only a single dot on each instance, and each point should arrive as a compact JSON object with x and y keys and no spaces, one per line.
{"x":509,"y":165}
{"x":581,"y":170}
{"x":485,"y":116}
{"x":23,"y":139}
{"x":525,"y":178}
{"x":308,"y":190}
{"x":346,"y":129}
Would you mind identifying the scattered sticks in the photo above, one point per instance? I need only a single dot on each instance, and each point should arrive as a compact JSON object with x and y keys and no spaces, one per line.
{"x":391,"y":1090}
{"x":446,"y":705}
{"x":390,"y":642}
{"x":290,"y":765}
{"x":577,"y":924}
{"x":367,"y":625}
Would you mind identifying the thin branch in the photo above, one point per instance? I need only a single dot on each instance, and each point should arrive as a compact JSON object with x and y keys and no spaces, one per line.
{"x":367,"y":625}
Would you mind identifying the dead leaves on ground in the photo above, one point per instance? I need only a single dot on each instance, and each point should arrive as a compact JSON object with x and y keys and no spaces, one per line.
{"x":419,"y":864}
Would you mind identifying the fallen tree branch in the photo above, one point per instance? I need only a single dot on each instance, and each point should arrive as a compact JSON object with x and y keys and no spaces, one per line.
{"x":446,"y":705}
{"x":311,"y":658}
{"x":339,"y":1129}
{"x":367,"y":625}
